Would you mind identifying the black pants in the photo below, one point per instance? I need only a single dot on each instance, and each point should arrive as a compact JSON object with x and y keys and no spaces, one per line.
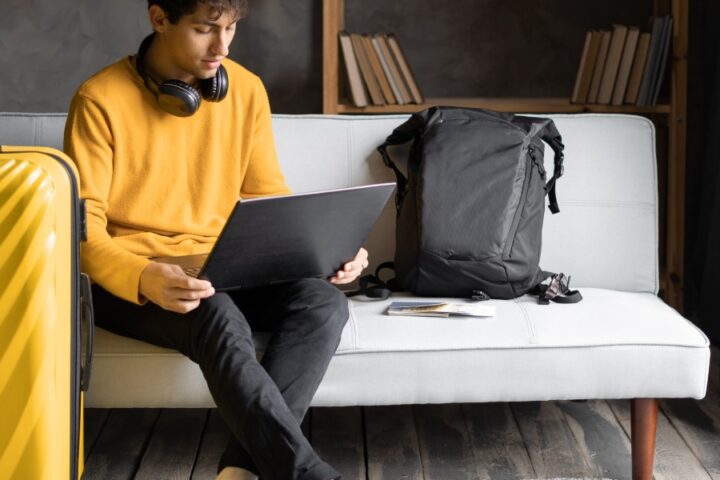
{"x":263,"y":403}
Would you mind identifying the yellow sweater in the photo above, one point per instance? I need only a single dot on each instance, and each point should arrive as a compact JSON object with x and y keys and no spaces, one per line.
{"x":156,"y":184}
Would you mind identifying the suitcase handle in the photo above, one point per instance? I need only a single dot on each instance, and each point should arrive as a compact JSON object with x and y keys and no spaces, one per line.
{"x":88,"y":317}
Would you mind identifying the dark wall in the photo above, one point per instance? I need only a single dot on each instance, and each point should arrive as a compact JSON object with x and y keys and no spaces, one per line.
{"x":456,"y":48}
{"x":702,"y":227}
{"x":493,"y":47}
{"x":48,"y":47}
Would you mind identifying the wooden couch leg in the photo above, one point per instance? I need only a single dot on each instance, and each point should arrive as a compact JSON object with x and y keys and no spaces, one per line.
{"x":643,"y":417}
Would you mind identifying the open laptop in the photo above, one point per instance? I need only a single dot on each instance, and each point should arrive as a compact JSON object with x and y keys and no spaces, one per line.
{"x":272,"y":240}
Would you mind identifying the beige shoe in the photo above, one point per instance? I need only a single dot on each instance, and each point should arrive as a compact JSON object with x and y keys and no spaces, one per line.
{"x":236,"y":473}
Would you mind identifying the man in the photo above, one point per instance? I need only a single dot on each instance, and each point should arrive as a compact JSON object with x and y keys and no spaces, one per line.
{"x":160,"y":171}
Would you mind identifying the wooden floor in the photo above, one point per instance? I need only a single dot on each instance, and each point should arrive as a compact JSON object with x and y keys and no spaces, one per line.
{"x":586,"y":439}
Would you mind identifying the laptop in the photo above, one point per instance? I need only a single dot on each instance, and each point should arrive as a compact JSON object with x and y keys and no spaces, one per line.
{"x":271,"y":240}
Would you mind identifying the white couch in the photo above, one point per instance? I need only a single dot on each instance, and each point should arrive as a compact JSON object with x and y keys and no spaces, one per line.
{"x":621,"y":341}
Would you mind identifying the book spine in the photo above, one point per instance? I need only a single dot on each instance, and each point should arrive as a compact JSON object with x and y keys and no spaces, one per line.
{"x":637,"y":69}
{"x":644,"y":93}
{"x":352,"y":71}
{"x":386,"y":68}
{"x":667,"y":38}
{"x":405,"y":68}
{"x":612,"y":65}
{"x":625,"y":65}
{"x":599,"y":67}
{"x":395,"y":69}
{"x":378,"y":70}
{"x":370,"y":81}
{"x":575,"y":97}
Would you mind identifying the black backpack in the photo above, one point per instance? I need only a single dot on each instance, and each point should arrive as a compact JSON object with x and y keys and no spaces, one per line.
{"x":470,"y":210}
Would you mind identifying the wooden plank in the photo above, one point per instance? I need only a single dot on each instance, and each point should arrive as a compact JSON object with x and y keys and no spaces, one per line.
{"x":333,"y":22}
{"x":602,"y":440}
{"x":499,"y":449}
{"x":698,"y":421}
{"x":550,"y":442}
{"x":213,"y":443}
{"x":673,"y":457}
{"x":119,"y":448}
{"x":337,"y":436}
{"x":506,"y":104}
{"x":699,"y":425}
{"x":174,"y":444}
{"x":445,"y":445}
{"x":95,"y":419}
{"x":677,"y":148}
{"x":392,"y":444}
{"x":714,"y":379}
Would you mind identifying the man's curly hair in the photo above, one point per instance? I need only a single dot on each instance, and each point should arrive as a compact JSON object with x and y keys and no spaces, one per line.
{"x":176,"y":9}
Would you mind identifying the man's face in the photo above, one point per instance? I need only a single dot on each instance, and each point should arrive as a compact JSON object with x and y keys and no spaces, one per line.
{"x":198,"y":42}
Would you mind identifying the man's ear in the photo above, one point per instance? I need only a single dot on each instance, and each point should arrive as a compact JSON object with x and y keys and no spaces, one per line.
{"x":158,"y":19}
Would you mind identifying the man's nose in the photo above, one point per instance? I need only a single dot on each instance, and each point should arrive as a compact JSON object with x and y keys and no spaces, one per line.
{"x":221,"y":45}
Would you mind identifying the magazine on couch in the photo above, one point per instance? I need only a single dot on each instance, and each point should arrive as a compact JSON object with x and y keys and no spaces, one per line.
{"x":440,"y":309}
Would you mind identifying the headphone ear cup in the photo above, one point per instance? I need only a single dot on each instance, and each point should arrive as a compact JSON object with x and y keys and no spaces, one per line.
{"x":178,"y":98}
{"x":216,"y":88}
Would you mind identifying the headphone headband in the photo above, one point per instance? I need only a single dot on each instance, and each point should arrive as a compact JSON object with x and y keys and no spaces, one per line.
{"x":175,"y":96}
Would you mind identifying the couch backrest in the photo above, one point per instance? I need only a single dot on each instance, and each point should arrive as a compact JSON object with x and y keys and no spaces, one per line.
{"x":606,"y":234}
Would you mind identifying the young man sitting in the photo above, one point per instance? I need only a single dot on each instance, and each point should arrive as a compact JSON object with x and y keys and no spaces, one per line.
{"x":165,"y":141}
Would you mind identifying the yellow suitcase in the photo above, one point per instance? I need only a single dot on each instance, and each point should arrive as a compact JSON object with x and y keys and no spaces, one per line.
{"x":45,"y":304}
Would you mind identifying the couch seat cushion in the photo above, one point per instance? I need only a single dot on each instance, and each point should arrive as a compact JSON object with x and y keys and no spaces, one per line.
{"x":611,"y":345}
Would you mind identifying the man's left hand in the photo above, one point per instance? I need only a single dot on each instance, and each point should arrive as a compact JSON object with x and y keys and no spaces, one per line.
{"x":352,"y":269}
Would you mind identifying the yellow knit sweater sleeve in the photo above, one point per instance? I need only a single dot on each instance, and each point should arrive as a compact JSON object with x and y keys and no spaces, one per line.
{"x":89,"y":142}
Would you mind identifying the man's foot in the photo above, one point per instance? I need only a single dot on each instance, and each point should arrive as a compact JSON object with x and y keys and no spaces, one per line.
{"x":236,"y":473}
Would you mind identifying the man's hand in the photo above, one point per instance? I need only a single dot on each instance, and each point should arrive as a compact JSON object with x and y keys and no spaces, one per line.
{"x":352,"y":269}
{"x":169,"y":287}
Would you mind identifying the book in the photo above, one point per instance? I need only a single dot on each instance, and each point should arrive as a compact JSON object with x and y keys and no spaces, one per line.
{"x":366,"y":71}
{"x":626,"y":62}
{"x":612,"y":63}
{"x":667,"y":38}
{"x":599,"y":66}
{"x":378,"y":70}
{"x":394,"y":69}
{"x":583,"y":60}
{"x":440,"y":309}
{"x":653,"y":57}
{"x":585,"y":70}
{"x":637,"y":69}
{"x":385,"y":64}
{"x":404,"y":68}
{"x":352,"y":71}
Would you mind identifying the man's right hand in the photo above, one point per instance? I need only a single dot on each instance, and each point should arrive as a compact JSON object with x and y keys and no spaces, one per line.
{"x":169,"y":287}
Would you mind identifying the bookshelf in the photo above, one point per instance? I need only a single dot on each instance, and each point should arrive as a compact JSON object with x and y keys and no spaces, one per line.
{"x":670,"y":115}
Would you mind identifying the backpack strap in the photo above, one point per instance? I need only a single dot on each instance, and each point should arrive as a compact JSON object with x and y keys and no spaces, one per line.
{"x":545,"y":128}
{"x":373,"y":287}
{"x":552,"y":137}
{"x":556,"y":290}
{"x":401,"y":135}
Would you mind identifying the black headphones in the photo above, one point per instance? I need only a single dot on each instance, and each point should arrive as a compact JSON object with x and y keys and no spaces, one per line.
{"x":177,"y":97}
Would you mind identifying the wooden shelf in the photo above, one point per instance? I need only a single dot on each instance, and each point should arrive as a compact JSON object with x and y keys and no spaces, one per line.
{"x":509,"y":104}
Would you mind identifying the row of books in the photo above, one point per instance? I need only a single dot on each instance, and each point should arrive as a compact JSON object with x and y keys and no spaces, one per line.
{"x":377,"y":71}
{"x":623,"y":66}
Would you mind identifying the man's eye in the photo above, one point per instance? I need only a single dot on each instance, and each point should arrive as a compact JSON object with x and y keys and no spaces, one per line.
{"x":200,"y":30}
